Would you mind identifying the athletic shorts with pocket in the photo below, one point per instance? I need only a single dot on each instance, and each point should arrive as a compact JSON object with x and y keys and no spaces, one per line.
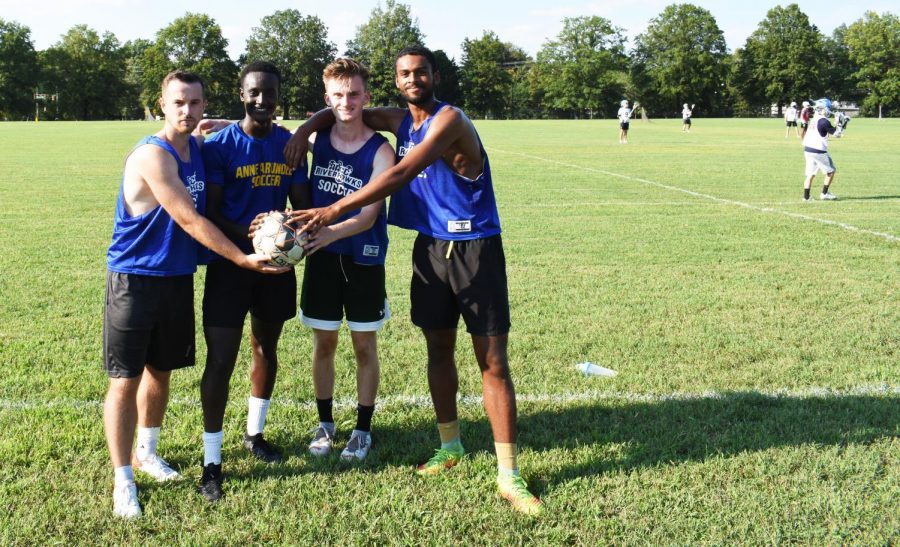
{"x":334,"y":286}
{"x":232,"y":291}
{"x":148,"y":320}
{"x":460,"y":278}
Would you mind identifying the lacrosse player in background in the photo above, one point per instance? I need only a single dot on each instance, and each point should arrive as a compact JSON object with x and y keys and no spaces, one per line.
{"x":686,"y":118}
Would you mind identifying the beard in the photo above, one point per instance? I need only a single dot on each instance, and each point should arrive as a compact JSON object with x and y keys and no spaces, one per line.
{"x":426,"y":96}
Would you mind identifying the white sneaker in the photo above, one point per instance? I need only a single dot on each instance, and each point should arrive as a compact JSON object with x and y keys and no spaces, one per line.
{"x":323,"y":440}
{"x":157,"y":468}
{"x":357,"y":447}
{"x":827,"y":196}
{"x":125,"y":502}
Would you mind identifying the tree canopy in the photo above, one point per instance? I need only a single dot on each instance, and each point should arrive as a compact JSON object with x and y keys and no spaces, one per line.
{"x":298,"y":45}
{"x":785,"y":56}
{"x":377,"y":42}
{"x":584,"y":71}
{"x":874,"y":45}
{"x":681,"y":59}
{"x":18,"y":71}
{"x":195,"y":43}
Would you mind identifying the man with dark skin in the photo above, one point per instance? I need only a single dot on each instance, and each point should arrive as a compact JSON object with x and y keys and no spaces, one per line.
{"x":246,"y":175}
{"x":442,"y":188}
{"x":148,"y":325}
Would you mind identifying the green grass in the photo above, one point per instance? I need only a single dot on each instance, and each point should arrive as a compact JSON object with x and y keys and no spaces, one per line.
{"x":758,"y":353}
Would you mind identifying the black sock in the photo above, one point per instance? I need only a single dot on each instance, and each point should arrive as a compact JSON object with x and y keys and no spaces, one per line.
{"x":825,"y":189}
{"x":806,"y":193}
{"x":364,"y":417}
{"x":324,"y":408}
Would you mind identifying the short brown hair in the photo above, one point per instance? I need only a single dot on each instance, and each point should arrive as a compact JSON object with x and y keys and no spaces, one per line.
{"x":183,"y":76}
{"x":344,"y":68}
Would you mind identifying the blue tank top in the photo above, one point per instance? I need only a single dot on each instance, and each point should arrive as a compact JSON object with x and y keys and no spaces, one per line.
{"x":152,"y":243}
{"x":334,"y":175}
{"x":440,"y":202}
{"x":252,"y":172}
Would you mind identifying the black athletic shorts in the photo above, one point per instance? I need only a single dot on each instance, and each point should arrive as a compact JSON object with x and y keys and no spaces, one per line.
{"x":467,"y":279}
{"x":791,"y":124}
{"x":687,"y":121}
{"x":232,"y":291}
{"x":334,"y":285}
{"x":624,"y":125}
{"x":148,"y":320}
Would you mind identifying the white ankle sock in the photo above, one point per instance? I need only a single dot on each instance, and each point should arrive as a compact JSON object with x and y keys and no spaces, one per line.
{"x":123,"y":474}
{"x":212,"y":447}
{"x":147,"y":438}
{"x":256,"y":414}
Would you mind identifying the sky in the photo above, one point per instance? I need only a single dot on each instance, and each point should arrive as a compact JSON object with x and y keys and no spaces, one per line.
{"x":525,"y":23}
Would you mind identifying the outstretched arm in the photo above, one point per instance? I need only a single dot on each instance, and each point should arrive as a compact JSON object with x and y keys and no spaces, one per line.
{"x":324,"y":236}
{"x":158,"y":170}
{"x":296,"y":148}
{"x":446,"y":128}
{"x":379,"y":119}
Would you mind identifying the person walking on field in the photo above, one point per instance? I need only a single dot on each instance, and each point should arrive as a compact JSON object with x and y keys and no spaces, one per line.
{"x":441,"y":187}
{"x":247,"y":175}
{"x":815,"y":149}
{"x":345,"y":262}
{"x":148,"y":326}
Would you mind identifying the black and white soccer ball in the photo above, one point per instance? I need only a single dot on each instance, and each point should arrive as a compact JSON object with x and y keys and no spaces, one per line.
{"x":279,"y":240}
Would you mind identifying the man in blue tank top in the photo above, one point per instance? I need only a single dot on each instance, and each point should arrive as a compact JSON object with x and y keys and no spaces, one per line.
{"x":346,"y":275}
{"x":246,"y":175}
{"x":148,"y":327}
{"x":442,"y":188}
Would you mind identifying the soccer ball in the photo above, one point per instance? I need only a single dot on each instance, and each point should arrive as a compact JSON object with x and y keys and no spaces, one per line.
{"x":279,"y":240}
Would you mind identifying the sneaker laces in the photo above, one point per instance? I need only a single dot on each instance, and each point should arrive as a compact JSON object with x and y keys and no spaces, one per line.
{"x":357,"y":441}
{"x":320,"y":433}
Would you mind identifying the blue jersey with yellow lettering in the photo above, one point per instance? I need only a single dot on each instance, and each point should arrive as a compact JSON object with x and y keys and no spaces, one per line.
{"x":252,"y":173}
{"x":152,"y":243}
{"x":440,"y":202}
{"x":334,"y":175}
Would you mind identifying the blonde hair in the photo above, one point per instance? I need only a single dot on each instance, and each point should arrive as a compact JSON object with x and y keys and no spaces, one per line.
{"x":345,"y":68}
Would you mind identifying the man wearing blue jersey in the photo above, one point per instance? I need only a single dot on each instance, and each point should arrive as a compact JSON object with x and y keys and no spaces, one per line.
{"x":148,"y":326}
{"x":246,"y":175}
{"x":347,"y":275}
{"x":442,"y":188}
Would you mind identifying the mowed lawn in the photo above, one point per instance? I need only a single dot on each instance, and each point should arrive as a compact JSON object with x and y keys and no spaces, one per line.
{"x":756,"y":340}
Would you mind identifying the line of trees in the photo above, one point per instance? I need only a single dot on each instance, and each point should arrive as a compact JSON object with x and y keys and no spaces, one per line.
{"x":582,"y":72}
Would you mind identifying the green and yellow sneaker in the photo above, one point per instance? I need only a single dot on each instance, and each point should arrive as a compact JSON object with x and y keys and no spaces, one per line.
{"x":514,"y":489}
{"x":442,"y":459}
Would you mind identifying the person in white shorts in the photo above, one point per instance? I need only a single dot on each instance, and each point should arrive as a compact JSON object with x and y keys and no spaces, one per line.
{"x":815,"y":148}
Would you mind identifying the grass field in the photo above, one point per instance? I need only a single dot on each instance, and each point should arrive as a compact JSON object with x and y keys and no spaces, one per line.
{"x":756,"y":337}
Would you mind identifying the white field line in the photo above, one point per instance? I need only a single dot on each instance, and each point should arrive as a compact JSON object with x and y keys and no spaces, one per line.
{"x":848,"y":227}
{"x":424,"y":401}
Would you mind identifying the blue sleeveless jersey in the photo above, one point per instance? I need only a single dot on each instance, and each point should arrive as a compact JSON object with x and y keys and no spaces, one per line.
{"x":335,"y":175}
{"x":439,"y":202}
{"x":152,"y":243}
{"x":252,"y":172}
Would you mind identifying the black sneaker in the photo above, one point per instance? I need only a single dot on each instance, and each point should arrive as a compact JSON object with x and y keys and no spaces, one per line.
{"x":261,"y":449}
{"x":211,"y":482}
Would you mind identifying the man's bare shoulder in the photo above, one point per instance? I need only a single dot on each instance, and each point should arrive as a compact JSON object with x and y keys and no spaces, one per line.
{"x":147,"y":157}
{"x":452,"y":115}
